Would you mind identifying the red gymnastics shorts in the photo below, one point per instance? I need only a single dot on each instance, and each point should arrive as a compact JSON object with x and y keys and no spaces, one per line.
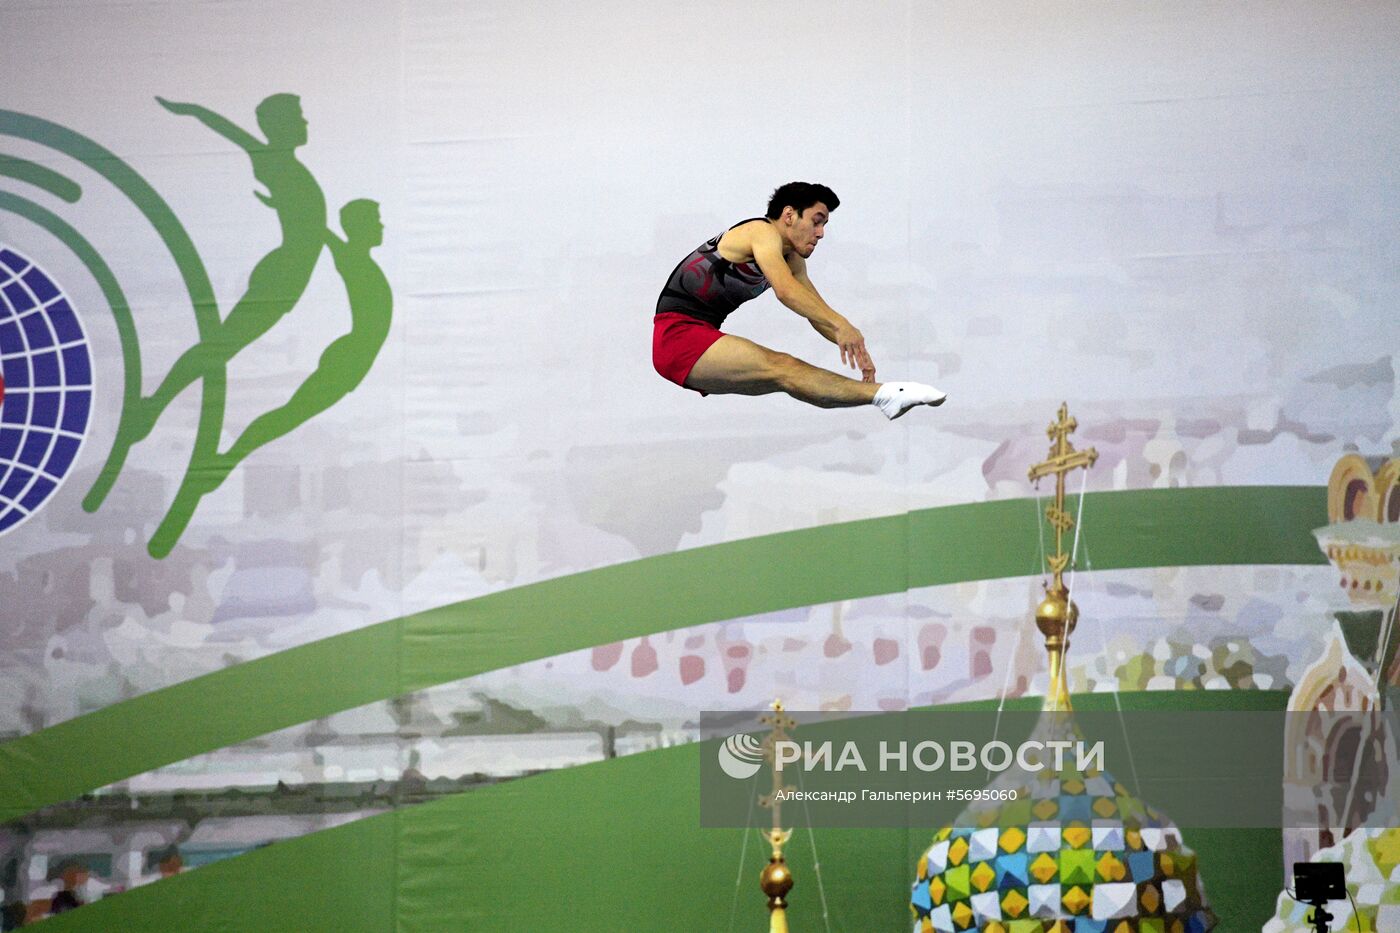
{"x":677,"y":341}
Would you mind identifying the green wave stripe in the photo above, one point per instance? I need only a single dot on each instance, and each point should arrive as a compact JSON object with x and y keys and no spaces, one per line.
{"x":610,"y":846}
{"x":979,"y":541}
{"x":40,"y":176}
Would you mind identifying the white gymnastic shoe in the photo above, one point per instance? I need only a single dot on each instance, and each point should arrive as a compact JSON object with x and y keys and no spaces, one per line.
{"x":895,"y":398}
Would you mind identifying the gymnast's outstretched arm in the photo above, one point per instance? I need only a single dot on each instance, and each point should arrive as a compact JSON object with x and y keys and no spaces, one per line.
{"x":221,"y":125}
{"x":802,"y":298}
{"x":862,"y":355}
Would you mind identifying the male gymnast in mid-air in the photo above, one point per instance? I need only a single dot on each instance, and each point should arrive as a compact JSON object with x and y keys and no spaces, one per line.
{"x":689,"y":349}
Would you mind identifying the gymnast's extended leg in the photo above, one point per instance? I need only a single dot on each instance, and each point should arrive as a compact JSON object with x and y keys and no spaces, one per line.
{"x":735,"y":366}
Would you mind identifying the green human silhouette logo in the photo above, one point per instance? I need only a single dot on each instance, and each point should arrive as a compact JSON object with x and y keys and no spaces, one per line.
{"x":347,"y":360}
{"x":279,"y":279}
{"x":275,"y":286}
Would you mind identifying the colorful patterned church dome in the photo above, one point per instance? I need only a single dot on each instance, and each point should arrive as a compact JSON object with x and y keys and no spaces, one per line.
{"x":1074,"y":853}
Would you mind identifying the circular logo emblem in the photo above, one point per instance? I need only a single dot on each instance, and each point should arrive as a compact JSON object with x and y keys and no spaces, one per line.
{"x":46,"y":380}
{"x":741,"y":756}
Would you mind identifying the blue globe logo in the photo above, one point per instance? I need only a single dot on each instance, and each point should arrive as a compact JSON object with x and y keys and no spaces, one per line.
{"x":46,"y":392}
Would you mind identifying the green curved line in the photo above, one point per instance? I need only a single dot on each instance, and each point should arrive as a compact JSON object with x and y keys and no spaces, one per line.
{"x":40,"y":176}
{"x":479,"y":860}
{"x":106,"y":281}
{"x":182,"y":250}
{"x":979,"y":541}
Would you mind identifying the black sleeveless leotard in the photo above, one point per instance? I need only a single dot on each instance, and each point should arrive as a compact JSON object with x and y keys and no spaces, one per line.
{"x":707,"y":286}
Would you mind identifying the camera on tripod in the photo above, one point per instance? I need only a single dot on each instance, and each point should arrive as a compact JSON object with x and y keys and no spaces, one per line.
{"x":1316,"y":883}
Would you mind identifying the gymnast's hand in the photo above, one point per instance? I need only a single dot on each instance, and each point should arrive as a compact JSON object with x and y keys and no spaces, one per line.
{"x":853,"y":352}
{"x":867,"y":365}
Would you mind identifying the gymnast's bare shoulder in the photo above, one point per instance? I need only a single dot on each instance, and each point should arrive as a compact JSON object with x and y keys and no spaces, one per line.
{"x":737,"y":245}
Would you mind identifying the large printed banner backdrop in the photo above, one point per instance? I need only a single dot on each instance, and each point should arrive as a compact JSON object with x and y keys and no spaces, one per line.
{"x":357,"y":571}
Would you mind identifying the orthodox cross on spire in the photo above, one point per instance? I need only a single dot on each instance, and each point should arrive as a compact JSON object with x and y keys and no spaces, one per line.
{"x":1063,"y":458}
{"x":776,"y":878}
{"x":1056,"y":614}
{"x":779,"y":722}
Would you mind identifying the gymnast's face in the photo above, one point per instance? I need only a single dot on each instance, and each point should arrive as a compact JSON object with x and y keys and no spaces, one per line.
{"x":808,"y":228}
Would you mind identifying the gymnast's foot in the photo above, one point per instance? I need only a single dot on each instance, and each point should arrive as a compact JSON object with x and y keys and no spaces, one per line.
{"x":896,"y":398}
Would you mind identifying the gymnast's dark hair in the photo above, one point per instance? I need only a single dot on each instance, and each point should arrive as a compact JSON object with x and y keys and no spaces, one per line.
{"x":800,"y":195}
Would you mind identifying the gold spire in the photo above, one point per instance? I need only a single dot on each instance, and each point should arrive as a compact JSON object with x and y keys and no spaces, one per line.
{"x":1056,"y":615}
{"x":776,"y":880}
